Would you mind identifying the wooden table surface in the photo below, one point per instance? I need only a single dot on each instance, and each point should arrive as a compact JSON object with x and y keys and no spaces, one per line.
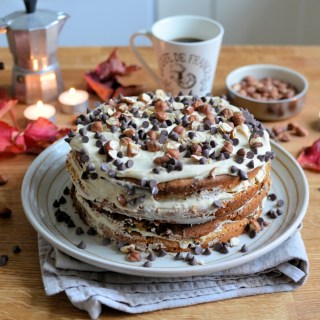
{"x":21,"y":291}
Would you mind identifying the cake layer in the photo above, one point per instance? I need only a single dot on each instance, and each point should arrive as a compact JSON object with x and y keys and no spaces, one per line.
{"x":172,"y":208}
{"x":172,"y":237}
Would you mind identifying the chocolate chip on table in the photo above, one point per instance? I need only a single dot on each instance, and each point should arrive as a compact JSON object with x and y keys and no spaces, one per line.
{"x":79,"y":231}
{"x":3,"y":260}
{"x":3,"y":180}
{"x":252,"y":234}
{"x":5,"y":213}
{"x":147,"y":264}
{"x":81,"y":245}
{"x":16,"y":249}
{"x":71,"y":224}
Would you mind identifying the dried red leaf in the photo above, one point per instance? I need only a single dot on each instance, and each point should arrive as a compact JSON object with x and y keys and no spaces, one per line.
{"x":11,"y":140}
{"x":40,"y":134}
{"x":309,"y":158}
{"x":105,"y":80}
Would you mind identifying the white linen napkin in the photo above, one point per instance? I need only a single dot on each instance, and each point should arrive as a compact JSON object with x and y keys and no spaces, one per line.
{"x":88,"y":288}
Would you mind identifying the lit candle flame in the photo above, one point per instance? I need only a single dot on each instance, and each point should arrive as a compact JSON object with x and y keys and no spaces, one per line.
{"x":72,"y":91}
{"x":39,"y":104}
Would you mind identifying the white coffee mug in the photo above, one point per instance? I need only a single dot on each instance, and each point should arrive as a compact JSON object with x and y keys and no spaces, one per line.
{"x":187,"y":50}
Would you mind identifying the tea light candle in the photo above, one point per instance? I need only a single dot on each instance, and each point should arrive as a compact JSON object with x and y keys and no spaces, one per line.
{"x":74,"y":101}
{"x":38,"y":110}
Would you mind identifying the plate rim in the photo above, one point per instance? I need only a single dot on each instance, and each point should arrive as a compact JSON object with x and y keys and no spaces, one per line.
{"x":163,"y":272}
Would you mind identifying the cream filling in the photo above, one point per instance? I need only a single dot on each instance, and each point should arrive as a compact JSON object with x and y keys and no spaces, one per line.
{"x":101,"y":220}
{"x":196,"y":208}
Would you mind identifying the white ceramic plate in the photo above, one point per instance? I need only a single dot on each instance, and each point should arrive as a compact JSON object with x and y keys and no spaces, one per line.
{"x":46,"y":179}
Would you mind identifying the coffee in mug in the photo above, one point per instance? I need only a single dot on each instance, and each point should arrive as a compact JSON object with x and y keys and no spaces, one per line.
{"x":187,"y":50}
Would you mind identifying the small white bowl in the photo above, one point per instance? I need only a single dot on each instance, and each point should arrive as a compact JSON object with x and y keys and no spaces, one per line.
{"x":269,"y":110}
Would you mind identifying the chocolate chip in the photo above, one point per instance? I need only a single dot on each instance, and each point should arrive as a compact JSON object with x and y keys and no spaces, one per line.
{"x":162,"y":253}
{"x":91,"y":232}
{"x":151,"y":256}
{"x":213,"y":144}
{"x":252,"y":234}
{"x":97,"y":135}
{"x":179,"y":165}
{"x":213,"y":130}
{"x":83,"y":131}
{"x":272,"y":196}
{"x":104,"y":166}
{"x":206,"y":153}
{"x":129,"y":163}
{"x":85,"y":175}
{"x":170,"y":167}
{"x":90,"y":167}
{"x":113,"y":128}
{"x":85,"y":139}
{"x":3,"y":260}
{"x":242,"y":175}
{"x":147,"y":264}
{"x":250,"y":155}
{"x":188,"y":257}
{"x":84,"y":158}
{"x":217,"y":204}
{"x":71,"y":224}
{"x":72,"y":133}
{"x":174,"y":136}
{"x":224,"y":250}
{"x":234,"y":169}
{"x":244,"y":248}
{"x":235,"y":141}
{"x":111,"y":173}
{"x":198,"y":250}
{"x":217,"y":246}
{"x":162,"y":139}
{"x":279,"y":212}
{"x":62,"y":200}
{"x":81,"y":245}
{"x":152,"y":183}
{"x":121,"y":167}
{"x":56,"y":204}
{"x":261,"y":157}
{"x":179,"y":256}
{"x":203,"y":161}
{"x":79,"y":231}
{"x":66,"y":191}
{"x":250,"y":164}
{"x":193,"y":261}
{"x":206,"y":252}
{"x":272,"y":214}
{"x":68,"y":140}
{"x":16,"y":249}
{"x":239,"y":159}
{"x":280,"y":203}
{"x":221,"y":157}
{"x":156,"y":170}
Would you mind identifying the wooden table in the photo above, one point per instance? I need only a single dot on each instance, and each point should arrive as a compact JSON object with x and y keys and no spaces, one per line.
{"x":21,"y":291}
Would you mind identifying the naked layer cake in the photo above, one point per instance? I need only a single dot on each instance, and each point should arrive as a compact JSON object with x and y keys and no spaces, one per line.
{"x":170,"y":172}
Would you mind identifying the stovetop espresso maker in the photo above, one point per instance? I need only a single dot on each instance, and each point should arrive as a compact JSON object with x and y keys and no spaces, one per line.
{"x":33,"y":41}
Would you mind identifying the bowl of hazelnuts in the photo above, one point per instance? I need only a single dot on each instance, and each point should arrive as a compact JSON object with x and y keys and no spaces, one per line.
{"x":270,"y":92}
